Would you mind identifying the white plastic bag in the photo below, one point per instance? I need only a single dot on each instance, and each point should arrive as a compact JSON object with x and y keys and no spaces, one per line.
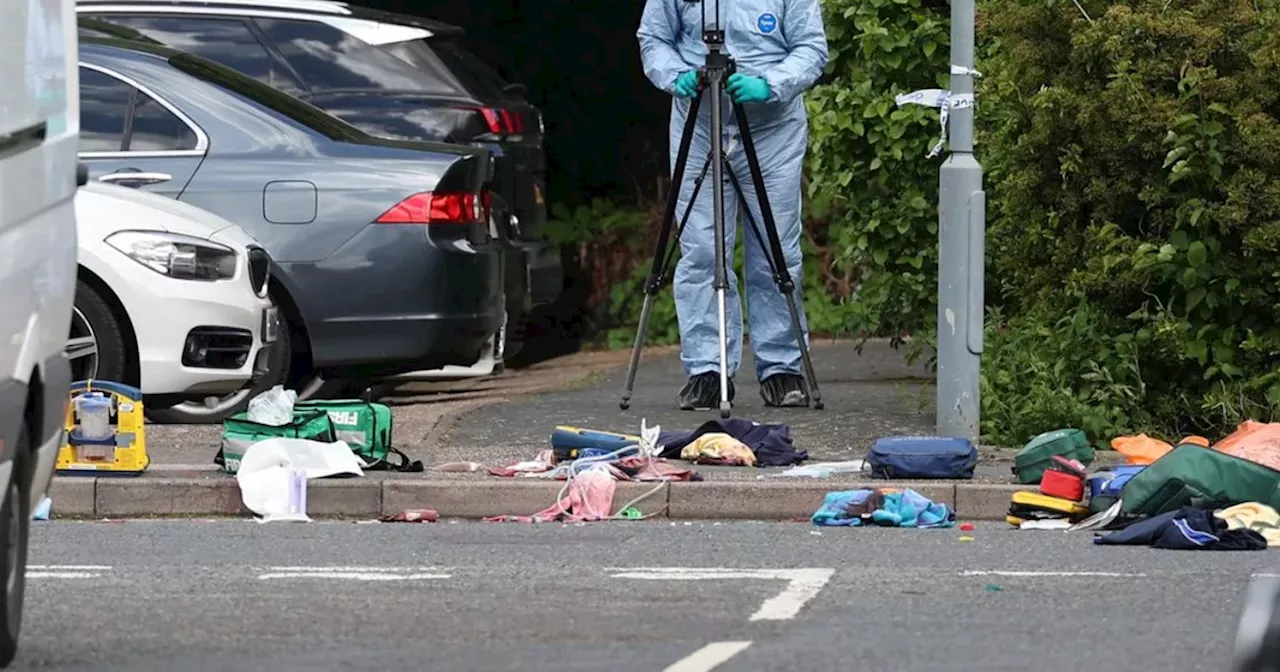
{"x":264,"y":474}
{"x":273,"y":407}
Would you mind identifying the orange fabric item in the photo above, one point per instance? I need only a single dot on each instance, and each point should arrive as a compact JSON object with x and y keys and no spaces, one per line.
{"x":1254,"y":441}
{"x":1197,"y":440}
{"x":1140,"y":449}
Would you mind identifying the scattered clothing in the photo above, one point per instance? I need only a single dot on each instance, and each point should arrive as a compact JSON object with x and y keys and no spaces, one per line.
{"x":1187,"y":529}
{"x":637,"y":468}
{"x":1253,"y":516}
{"x":718,"y":448}
{"x":771,"y":444}
{"x":590,"y":498}
{"x":885,"y":507}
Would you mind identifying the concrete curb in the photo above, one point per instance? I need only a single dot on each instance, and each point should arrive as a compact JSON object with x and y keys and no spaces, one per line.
{"x":365,"y":498}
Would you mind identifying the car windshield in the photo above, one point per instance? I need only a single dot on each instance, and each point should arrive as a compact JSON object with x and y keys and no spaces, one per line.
{"x":299,"y":111}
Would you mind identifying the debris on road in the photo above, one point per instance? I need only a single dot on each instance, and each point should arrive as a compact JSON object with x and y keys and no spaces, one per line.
{"x":887,"y":507}
{"x":43,"y":509}
{"x":824,"y":469}
{"x":413,"y":516}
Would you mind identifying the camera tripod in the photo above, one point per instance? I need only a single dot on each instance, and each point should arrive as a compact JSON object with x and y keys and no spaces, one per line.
{"x":711,"y":82}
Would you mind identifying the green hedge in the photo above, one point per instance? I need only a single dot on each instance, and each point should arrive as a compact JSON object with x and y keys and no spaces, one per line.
{"x":1132,"y":151}
{"x":1134,"y":157}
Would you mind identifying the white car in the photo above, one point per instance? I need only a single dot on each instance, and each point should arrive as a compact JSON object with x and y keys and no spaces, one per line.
{"x":39,"y":124}
{"x":171,"y":299}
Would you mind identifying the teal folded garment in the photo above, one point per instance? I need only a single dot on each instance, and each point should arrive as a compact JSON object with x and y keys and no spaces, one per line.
{"x":904,"y":508}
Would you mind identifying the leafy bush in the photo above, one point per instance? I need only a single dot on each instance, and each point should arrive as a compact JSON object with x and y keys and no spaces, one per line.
{"x":1134,"y":158}
{"x":868,"y":179}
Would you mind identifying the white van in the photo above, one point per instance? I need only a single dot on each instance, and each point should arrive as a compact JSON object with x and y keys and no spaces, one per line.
{"x":39,"y":126}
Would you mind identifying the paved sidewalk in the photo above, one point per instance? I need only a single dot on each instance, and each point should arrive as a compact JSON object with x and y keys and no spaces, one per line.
{"x":420,"y":410}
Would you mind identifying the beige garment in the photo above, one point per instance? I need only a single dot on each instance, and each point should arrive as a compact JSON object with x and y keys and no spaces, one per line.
{"x":1257,"y":517}
{"x":718,"y":448}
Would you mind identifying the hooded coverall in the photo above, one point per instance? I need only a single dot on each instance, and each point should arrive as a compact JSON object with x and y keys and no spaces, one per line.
{"x":782,"y":41}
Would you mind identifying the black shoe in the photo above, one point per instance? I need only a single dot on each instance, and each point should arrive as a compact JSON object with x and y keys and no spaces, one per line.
{"x":784,"y":389}
{"x":702,"y":392}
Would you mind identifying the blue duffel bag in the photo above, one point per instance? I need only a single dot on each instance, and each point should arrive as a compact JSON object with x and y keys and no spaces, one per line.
{"x":922,"y":457}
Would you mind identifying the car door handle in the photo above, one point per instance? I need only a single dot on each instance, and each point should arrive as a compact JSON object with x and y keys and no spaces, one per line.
{"x":140,"y":178}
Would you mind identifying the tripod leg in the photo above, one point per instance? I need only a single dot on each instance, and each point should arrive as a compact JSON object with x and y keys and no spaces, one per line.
{"x":722,"y":272}
{"x":778,"y":263}
{"x":657,"y":267}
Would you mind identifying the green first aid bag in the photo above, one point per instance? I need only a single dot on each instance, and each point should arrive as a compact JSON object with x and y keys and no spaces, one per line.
{"x":1037,"y":456}
{"x":239,"y":432}
{"x":1192,"y":475}
{"x":365,"y":426}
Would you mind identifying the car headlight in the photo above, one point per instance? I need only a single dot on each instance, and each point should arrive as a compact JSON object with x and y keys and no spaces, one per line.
{"x":177,"y":256}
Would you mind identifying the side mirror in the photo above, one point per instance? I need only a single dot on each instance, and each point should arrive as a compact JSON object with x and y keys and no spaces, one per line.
{"x":515,"y":89}
{"x":82,"y":174}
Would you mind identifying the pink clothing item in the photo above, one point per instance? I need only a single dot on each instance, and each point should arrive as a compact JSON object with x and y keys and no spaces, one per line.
{"x":657,"y":469}
{"x":590,"y":498}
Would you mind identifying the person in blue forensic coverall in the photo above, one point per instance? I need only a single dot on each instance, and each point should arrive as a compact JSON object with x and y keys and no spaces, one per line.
{"x":780,"y":48}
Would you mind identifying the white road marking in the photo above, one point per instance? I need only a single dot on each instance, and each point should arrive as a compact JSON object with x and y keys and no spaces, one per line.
{"x":355,"y":573}
{"x":1114,"y":575}
{"x":708,"y":657}
{"x":802,"y":585}
{"x":66,"y":571}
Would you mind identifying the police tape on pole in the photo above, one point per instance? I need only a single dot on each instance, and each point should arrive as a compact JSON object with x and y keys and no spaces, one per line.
{"x":961,"y":236}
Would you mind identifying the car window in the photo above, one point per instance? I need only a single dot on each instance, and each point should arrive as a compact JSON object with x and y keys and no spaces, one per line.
{"x":226,"y":41}
{"x":329,"y":59}
{"x":115,"y":116}
{"x":273,"y":99}
{"x":474,"y":74}
{"x":104,"y":105}
{"x":156,"y":129}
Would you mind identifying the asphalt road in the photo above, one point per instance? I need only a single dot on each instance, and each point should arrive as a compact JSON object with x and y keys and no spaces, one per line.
{"x":202,"y":596}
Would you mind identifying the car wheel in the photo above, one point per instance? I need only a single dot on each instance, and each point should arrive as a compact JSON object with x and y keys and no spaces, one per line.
{"x":15,"y":522}
{"x":96,"y":345}
{"x":215,"y":409}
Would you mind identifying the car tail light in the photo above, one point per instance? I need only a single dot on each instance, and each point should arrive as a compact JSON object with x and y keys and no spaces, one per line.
{"x":500,"y":121}
{"x":439,"y":208}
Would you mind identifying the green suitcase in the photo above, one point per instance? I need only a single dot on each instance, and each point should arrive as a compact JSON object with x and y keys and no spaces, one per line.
{"x":1192,"y":475}
{"x":1037,"y":456}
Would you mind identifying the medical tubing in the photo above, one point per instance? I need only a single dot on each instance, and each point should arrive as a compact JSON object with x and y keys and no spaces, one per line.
{"x":573,"y":467}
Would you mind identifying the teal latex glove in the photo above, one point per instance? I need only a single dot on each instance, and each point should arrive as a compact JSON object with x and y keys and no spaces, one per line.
{"x":687,"y":84}
{"x":748,"y":89}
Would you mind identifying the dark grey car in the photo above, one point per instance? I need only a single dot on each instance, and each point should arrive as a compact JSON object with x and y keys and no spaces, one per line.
{"x":384,"y":258}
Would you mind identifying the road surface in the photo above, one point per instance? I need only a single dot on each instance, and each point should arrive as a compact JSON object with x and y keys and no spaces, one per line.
{"x":687,"y":597}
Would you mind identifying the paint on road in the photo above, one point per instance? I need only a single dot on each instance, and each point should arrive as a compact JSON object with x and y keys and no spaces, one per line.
{"x":708,"y":657}
{"x":802,"y":584}
{"x":66,"y":571}
{"x":1112,"y":575}
{"x":355,"y":573}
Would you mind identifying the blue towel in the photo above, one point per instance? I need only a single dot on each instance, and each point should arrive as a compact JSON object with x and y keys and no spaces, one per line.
{"x":905,"y":508}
